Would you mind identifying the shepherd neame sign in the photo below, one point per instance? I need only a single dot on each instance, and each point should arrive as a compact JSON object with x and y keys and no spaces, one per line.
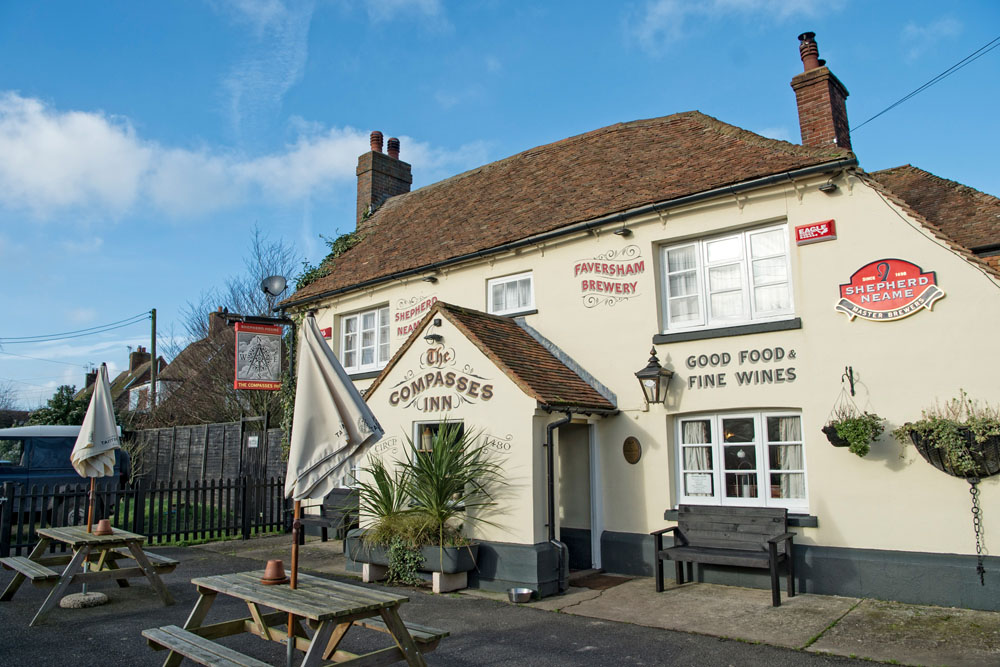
{"x":888,"y":289}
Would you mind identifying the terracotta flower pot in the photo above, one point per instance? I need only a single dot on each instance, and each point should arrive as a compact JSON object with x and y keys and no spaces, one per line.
{"x":103,"y":527}
{"x":274,"y":573}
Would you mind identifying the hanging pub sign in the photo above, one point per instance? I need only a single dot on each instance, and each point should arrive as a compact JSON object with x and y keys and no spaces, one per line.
{"x":888,"y":289}
{"x":258,"y":356}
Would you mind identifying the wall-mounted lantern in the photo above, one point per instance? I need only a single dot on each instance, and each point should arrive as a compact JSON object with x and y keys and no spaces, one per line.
{"x":654,"y":379}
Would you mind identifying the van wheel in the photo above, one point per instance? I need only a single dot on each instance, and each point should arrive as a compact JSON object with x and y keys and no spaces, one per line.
{"x":77,"y":515}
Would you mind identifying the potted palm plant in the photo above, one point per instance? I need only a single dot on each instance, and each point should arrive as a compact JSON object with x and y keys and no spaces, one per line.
{"x":854,"y":429}
{"x":421,"y":507}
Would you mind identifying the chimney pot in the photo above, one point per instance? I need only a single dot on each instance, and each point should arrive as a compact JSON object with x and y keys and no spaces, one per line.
{"x":376,"y":141}
{"x":393,"y":148}
{"x":809,"y":51}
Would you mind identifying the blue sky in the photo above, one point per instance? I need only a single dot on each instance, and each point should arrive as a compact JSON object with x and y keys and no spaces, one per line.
{"x":141,"y":142}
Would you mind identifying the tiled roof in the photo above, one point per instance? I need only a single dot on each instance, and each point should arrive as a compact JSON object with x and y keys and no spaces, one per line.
{"x":967,"y":215}
{"x":518,"y":355}
{"x":122,"y":383}
{"x":962,"y":215}
{"x":606,"y":171}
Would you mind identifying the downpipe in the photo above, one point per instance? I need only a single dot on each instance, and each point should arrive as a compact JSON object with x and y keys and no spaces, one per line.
{"x":563,"y":563}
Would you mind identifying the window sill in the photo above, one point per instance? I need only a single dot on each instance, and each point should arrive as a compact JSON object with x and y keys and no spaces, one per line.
{"x":366,"y":375}
{"x":519,"y":313}
{"x":741,"y":330}
{"x":794,"y":520}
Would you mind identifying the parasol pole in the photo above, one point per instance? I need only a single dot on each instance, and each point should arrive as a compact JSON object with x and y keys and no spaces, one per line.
{"x":90,"y":506}
{"x":296,"y":527}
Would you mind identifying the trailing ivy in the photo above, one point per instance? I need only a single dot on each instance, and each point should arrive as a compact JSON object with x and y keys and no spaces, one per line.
{"x":338,"y":247}
{"x":404,"y":561}
{"x":286,"y":395}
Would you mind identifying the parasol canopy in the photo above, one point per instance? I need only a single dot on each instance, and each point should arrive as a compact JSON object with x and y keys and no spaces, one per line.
{"x":94,"y":452}
{"x":331,"y":422}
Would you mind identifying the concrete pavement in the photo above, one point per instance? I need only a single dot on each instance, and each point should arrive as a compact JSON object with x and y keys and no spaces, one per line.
{"x":850,"y":627}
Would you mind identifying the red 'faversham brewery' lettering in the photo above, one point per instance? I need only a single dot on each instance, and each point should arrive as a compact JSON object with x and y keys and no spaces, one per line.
{"x":608,"y":287}
{"x":614,"y":270}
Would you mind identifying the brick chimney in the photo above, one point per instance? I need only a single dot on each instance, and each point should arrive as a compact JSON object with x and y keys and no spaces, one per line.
{"x":216,"y":323}
{"x":90,"y":379}
{"x":821,"y":98}
{"x":137,"y":358}
{"x":381,"y":176}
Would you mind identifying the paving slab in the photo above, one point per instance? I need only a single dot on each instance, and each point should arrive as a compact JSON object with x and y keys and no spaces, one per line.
{"x":915,"y":635}
{"x":723,"y":611}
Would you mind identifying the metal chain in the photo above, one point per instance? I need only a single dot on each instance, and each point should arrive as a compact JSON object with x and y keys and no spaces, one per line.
{"x":977,"y":526}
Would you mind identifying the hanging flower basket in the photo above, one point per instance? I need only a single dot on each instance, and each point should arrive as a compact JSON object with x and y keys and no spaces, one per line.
{"x":831,"y":434}
{"x":966,"y":459}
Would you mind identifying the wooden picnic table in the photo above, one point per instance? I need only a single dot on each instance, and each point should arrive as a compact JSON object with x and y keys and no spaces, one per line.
{"x":104,"y":552}
{"x":330,"y":608}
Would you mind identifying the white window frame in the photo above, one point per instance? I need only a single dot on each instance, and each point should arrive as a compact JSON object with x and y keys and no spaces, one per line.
{"x":517,"y":277}
{"x":762,"y":471}
{"x":752,"y":313}
{"x":418,"y":430}
{"x":381,"y":337}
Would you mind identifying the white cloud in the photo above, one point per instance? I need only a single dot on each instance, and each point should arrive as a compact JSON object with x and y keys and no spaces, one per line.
{"x":661,"y":23}
{"x":493,"y":64}
{"x":91,"y":164}
{"x":52,"y":160}
{"x":83,"y":246}
{"x":274,"y":60}
{"x":918,"y":39}
{"x":81,"y":315}
{"x":780,"y":133}
{"x":450,"y":98}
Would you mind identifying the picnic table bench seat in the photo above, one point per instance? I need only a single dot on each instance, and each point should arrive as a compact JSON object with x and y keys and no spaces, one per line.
{"x":421,"y":634}
{"x":162,"y":564}
{"x":30,"y":569}
{"x":199,"y":649}
{"x":755,"y":537}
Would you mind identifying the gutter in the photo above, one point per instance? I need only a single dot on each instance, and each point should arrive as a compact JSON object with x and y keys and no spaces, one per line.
{"x":586,"y":226}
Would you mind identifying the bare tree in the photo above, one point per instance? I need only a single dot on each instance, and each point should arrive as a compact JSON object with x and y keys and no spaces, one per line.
{"x":8,"y":396}
{"x":242,"y":293}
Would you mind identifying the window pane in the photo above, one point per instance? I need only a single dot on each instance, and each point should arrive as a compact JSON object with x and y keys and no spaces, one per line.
{"x":510,"y":295}
{"x":741,"y":485}
{"x":788,"y":485}
{"x":724,"y":278}
{"x":368,"y":338}
{"x":524,"y":293}
{"x":723,"y":249}
{"x":383,"y":317}
{"x":738,"y":429}
{"x":368,"y":320}
{"x":383,"y":352}
{"x":767,"y":244}
{"x":772,"y":298}
{"x":727,"y":306}
{"x":350,"y":359}
{"x":684,"y":310}
{"x":696,"y":432}
{"x":350,"y":325}
{"x":740,"y":457}
{"x":784,"y":429}
{"x":699,"y":484}
{"x":498,"y":302}
{"x":697,"y":458}
{"x":11,"y":451}
{"x":367,"y":356}
{"x":785,"y":457}
{"x":682,"y":259}
{"x":684,"y":284}
{"x":769,"y":271}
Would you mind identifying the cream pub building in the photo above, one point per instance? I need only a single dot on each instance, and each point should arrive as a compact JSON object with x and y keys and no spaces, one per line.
{"x":521,"y":298}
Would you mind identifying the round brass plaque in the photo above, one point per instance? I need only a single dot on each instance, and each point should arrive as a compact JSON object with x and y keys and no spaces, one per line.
{"x":632,"y":450}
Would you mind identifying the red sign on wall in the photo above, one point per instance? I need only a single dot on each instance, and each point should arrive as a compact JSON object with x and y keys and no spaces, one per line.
{"x":815,"y":232}
{"x":327,"y":332}
{"x":258,"y":356}
{"x":888,"y":289}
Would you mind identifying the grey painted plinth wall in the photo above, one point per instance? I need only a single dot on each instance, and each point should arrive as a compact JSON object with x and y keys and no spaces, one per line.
{"x":948,"y":580}
{"x":499,"y":566}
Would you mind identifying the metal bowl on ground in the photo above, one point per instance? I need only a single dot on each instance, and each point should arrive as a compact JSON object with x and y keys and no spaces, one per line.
{"x":520,"y":594}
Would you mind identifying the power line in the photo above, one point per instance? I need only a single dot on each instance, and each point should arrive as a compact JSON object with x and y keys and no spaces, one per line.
{"x":51,"y":361}
{"x":79,"y":333}
{"x":969,"y":59}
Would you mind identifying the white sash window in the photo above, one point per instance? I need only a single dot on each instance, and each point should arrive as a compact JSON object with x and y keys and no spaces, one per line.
{"x":364,"y":340}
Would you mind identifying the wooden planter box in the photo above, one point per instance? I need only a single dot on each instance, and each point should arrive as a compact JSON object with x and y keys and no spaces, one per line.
{"x":986,"y":455}
{"x":449,"y":560}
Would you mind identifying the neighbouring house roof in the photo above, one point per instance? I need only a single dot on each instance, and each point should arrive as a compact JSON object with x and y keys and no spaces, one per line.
{"x":518,"y":355}
{"x":122,"y":383}
{"x":610,"y":170}
{"x":967,"y":216}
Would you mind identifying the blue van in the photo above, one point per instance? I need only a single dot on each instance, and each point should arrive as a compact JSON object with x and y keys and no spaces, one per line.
{"x":37,"y":456}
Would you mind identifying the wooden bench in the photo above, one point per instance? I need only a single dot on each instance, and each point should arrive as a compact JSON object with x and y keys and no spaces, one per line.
{"x":338,"y":511}
{"x":200,"y":650}
{"x":36,"y":572}
{"x":739,"y":536}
